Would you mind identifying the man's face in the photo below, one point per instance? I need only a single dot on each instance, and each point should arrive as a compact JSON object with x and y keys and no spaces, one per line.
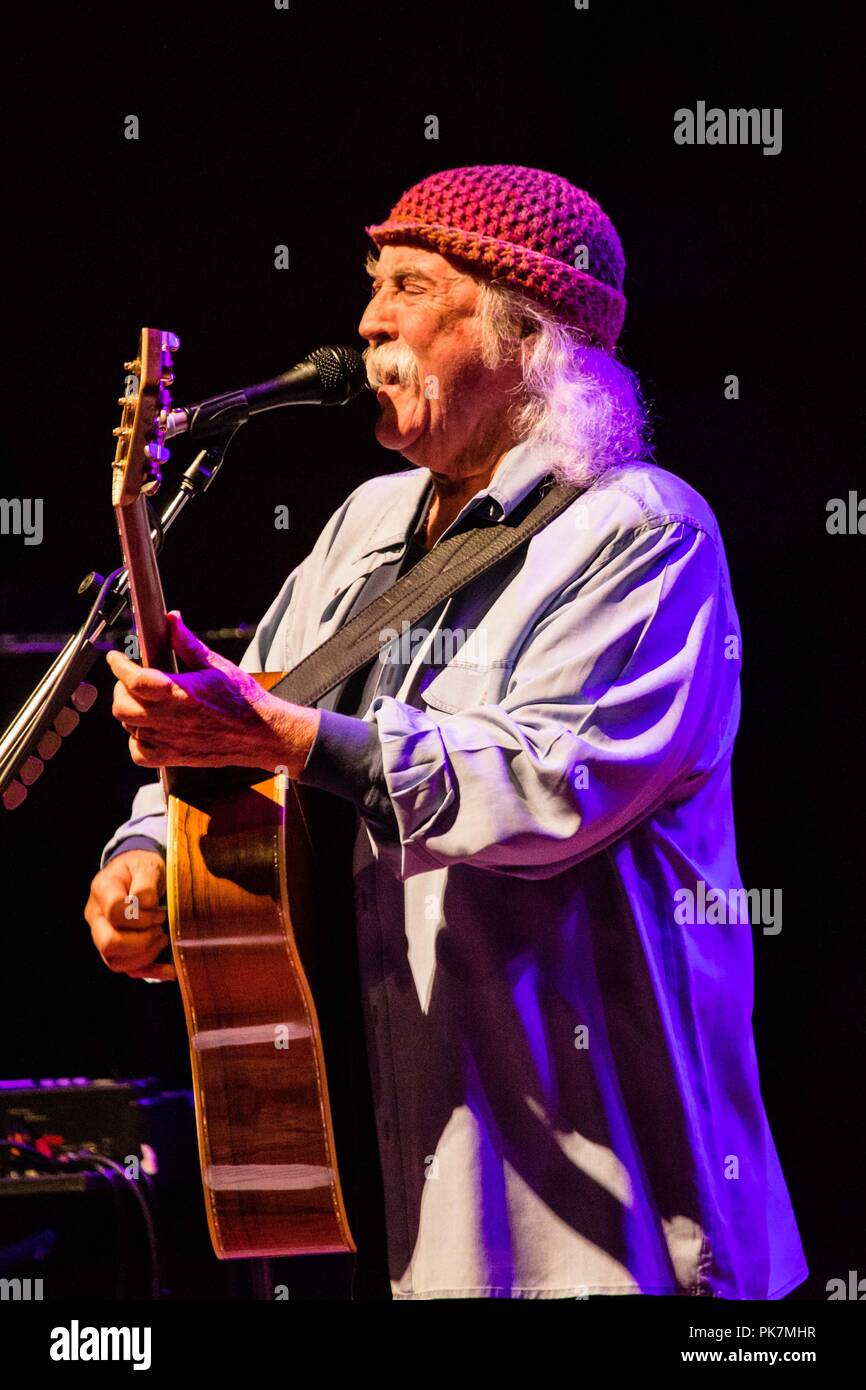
{"x":446,"y":410}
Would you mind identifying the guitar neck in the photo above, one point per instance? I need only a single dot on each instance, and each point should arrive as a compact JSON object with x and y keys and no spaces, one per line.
{"x":145,"y":587}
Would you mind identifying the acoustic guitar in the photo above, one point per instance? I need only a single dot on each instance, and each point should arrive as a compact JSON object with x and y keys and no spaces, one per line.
{"x":239,"y":892}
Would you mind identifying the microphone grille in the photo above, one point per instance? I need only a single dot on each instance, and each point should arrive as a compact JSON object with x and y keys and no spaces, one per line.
{"x":341,"y":371}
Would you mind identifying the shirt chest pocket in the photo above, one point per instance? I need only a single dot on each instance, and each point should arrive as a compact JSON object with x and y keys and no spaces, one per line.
{"x":461,"y":686}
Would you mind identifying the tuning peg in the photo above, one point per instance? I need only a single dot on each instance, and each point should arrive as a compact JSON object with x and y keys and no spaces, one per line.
{"x":30,"y":769}
{"x":132,"y":366}
{"x":66,"y":721}
{"x":157,"y":453}
{"x":48,"y":745}
{"x":83,"y":696}
{"x":14,"y":795}
{"x":121,"y":430}
{"x":127,"y":400}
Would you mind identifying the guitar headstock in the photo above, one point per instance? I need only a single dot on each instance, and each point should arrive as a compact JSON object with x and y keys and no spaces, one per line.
{"x":141,"y":448}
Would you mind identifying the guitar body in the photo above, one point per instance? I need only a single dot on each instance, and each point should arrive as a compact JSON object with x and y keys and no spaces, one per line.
{"x":239,"y":876}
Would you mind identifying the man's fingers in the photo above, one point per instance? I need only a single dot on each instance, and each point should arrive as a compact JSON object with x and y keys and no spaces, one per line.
{"x":192,"y":651}
{"x":122,"y":952}
{"x":139,"y":905}
{"x":195,"y":654}
{"x":121,"y":665}
{"x":147,"y":883}
{"x":150,"y":684}
{"x":131,"y":916}
{"x":129,"y":938}
{"x":126,"y":706}
{"x":133,"y":902}
{"x":125,"y":965}
{"x":144,"y":681}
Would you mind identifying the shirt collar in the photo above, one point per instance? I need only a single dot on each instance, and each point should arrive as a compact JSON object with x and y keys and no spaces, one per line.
{"x":520,"y":471}
{"x":522,"y":468}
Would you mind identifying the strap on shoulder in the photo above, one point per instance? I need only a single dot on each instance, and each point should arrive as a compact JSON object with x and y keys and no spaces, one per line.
{"x":451,"y":564}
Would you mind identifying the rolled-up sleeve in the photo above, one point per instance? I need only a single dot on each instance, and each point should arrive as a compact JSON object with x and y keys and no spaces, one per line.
{"x":146,"y":826}
{"x":346,"y":759}
{"x":618,"y":692}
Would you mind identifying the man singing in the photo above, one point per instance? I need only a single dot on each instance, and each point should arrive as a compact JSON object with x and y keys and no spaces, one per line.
{"x":562,"y":1071}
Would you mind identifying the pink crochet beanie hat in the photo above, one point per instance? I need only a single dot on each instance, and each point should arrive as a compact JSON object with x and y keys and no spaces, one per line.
{"x":533,"y":230}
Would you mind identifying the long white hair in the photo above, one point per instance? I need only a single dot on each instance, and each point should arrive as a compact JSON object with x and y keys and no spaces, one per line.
{"x":578,"y":400}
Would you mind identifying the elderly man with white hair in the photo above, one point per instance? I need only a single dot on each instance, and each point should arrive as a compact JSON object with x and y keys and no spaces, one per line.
{"x":561,"y":1070}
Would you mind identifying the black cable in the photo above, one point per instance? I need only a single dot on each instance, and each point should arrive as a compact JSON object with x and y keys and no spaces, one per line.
{"x":150,"y":1231}
{"x":122,"y":1228}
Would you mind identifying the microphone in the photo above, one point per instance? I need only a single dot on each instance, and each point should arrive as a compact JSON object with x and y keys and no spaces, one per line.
{"x":329,"y":376}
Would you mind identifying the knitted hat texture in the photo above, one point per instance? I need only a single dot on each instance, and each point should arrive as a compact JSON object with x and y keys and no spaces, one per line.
{"x":532,"y":230}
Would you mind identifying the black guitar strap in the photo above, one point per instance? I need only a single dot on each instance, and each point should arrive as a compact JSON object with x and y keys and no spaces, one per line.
{"x":449,"y":566}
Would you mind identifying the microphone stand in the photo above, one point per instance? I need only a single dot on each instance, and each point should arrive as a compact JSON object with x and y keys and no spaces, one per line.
{"x":44,"y":713}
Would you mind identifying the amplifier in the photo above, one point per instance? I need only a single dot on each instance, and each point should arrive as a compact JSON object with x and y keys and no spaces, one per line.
{"x":118,"y":1118}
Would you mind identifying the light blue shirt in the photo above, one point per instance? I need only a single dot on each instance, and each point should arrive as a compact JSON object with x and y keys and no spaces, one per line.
{"x":555,"y":946}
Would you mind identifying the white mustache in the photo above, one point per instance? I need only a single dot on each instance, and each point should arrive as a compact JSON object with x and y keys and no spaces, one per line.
{"x":389,"y":363}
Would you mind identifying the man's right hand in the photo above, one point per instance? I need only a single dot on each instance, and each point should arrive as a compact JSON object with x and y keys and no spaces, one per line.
{"x":124,"y":915}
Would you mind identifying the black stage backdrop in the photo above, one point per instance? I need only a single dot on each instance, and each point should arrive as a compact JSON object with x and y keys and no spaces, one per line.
{"x":262,"y":127}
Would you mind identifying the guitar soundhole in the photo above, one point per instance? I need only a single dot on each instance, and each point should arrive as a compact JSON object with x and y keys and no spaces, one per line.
{"x":230,"y":852}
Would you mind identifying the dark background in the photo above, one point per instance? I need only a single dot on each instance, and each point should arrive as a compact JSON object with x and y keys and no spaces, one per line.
{"x":261,"y":127}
